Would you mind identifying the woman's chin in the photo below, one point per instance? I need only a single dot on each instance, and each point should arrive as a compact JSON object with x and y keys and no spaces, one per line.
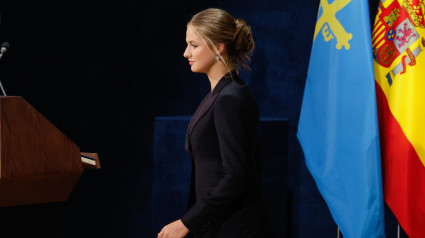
{"x":195,"y":70}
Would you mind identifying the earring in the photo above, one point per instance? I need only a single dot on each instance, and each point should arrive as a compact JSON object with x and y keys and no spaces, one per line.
{"x":217,"y":57}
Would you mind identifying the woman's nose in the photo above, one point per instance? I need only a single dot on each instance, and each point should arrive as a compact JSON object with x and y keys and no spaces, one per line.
{"x":186,"y":53}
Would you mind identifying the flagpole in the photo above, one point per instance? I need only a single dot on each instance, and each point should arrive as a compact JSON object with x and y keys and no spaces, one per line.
{"x":398,"y":230}
{"x":337,"y":232}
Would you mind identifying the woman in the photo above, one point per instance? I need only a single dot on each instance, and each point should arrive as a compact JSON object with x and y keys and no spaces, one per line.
{"x":225,"y":198}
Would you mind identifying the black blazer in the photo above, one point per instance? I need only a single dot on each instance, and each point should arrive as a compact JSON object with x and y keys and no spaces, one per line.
{"x":225,"y":199}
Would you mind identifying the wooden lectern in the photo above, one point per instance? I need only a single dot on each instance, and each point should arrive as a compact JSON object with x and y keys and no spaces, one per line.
{"x":38,"y":163}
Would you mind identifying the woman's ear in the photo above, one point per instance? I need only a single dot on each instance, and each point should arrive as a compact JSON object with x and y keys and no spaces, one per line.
{"x":220,"y":48}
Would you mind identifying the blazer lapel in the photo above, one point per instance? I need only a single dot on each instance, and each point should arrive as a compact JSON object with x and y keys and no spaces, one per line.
{"x":203,"y":108}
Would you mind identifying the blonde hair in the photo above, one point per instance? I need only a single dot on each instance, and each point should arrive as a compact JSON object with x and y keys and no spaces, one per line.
{"x":217,"y":26}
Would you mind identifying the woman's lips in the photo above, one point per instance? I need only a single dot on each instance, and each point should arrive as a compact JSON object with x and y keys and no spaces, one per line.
{"x":191,"y":62}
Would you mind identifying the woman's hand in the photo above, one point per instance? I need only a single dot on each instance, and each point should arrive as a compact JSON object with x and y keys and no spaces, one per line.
{"x":174,"y":230}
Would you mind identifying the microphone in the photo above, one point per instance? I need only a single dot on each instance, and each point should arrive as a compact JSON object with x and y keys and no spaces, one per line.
{"x":4,"y":47}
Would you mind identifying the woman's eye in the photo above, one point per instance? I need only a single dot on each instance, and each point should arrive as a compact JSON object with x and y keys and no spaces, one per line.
{"x":194,"y":46}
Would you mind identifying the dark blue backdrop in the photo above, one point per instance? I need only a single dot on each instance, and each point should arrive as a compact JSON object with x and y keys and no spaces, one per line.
{"x":100,"y":70}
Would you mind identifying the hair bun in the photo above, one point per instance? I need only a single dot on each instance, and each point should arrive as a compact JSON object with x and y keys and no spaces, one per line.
{"x":243,"y":43}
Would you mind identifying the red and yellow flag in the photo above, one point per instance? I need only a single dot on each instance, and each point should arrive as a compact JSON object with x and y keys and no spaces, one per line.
{"x":398,"y":41}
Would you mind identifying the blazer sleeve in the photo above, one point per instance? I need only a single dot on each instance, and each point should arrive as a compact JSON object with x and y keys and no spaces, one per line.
{"x":236,"y":123}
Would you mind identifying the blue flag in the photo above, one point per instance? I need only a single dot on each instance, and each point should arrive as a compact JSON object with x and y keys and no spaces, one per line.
{"x":338,"y":127}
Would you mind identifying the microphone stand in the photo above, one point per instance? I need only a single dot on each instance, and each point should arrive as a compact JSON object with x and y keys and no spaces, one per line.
{"x":2,"y":89}
{"x":1,"y":85}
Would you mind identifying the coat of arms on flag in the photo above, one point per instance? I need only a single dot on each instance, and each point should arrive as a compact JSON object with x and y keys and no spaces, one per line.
{"x":395,"y":35}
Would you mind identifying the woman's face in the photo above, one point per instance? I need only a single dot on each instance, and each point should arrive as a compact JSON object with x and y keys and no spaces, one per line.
{"x":200,"y":56}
